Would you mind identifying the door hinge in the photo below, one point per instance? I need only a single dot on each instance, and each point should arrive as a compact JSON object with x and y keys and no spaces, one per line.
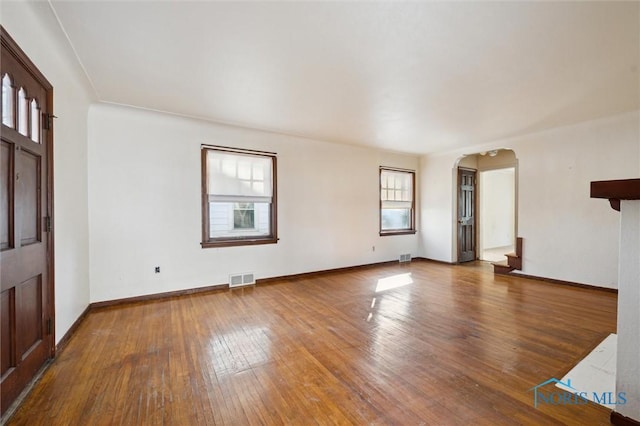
{"x":49,"y":326}
{"x":47,"y":121}
{"x":47,"y":224}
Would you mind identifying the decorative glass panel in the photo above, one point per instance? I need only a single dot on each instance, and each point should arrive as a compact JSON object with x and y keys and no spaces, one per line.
{"x":8,"y":98}
{"x":23,"y":112}
{"x":35,"y":121}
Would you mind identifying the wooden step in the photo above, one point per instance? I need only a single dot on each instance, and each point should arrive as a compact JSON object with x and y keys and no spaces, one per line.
{"x":514,"y":261}
{"x":502,"y":267}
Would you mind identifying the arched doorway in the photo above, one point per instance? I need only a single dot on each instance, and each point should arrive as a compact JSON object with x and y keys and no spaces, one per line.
{"x":485,"y":220}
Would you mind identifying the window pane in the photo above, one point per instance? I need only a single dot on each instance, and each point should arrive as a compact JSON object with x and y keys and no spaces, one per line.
{"x":396,"y":219}
{"x":243,"y":216}
{"x":7,"y":101}
{"x":238,"y":220}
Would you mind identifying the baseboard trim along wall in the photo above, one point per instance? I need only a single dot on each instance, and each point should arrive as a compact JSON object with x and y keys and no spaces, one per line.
{"x":426,"y":259}
{"x":156,"y":296}
{"x":65,"y":339}
{"x":311,"y":274}
{"x":561,"y":282}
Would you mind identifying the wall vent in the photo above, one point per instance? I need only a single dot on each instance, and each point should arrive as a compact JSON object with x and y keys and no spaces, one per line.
{"x":238,"y":280}
{"x":405,"y":258}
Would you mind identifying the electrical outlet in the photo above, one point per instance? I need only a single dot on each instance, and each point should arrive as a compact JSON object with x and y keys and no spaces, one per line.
{"x":157,"y":269}
{"x":373,"y":248}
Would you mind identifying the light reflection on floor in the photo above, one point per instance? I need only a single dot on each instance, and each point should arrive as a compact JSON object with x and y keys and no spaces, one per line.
{"x":394,"y":281}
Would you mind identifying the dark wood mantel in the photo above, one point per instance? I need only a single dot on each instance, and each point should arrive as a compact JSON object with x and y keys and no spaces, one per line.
{"x":616,"y":190}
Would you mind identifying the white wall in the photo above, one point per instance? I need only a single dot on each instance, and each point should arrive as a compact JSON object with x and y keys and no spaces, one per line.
{"x":628,"y":354}
{"x":436,"y":177}
{"x":567,"y":235}
{"x":34,"y":27}
{"x":497,"y":207}
{"x":145,"y":211}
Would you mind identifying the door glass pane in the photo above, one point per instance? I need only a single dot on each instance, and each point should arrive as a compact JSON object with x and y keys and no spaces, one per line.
{"x":7,"y":102}
{"x":35,"y":121}
{"x":23,"y":112}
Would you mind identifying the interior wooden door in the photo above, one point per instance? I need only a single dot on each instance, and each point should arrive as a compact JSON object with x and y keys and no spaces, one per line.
{"x":26,"y":243}
{"x":466,"y":215}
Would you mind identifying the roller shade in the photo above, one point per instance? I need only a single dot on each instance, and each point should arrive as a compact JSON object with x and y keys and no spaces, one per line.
{"x":235,"y":177}
{"x":396,"y":189}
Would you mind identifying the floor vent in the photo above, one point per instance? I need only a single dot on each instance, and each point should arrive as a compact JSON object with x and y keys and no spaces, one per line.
{"x":238,"y":280}
{"x":405,"y":258}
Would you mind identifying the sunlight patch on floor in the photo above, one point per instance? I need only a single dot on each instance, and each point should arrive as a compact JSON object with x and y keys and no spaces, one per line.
{"x":394,"y":281}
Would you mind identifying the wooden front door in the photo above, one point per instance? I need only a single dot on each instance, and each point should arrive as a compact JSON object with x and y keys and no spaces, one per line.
{"x":26,"y":243}
{"x":466,"y":215}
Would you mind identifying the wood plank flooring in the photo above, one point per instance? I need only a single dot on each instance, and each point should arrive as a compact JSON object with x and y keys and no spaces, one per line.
{"x":449,"y":345}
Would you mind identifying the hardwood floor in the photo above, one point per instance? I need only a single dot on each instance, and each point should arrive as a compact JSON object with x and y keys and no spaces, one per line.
{"x":448,"y":345}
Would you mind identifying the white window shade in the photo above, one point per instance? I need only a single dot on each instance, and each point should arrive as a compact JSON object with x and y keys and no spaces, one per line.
{"x":396,"y":204}
{"x":396,"y":189}
{"x":239,"y":177}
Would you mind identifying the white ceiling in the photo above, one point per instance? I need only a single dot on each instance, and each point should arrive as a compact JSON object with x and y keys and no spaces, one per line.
{"x":417,"y":77}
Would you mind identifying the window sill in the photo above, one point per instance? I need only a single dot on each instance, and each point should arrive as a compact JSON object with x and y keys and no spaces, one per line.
{"x":239,"y":242}
{"x":398,"y":232}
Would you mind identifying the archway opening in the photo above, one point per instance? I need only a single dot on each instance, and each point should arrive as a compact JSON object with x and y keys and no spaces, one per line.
{"x":485,"y":215}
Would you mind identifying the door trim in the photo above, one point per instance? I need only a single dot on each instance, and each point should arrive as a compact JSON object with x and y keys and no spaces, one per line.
{"x":11,"y":46}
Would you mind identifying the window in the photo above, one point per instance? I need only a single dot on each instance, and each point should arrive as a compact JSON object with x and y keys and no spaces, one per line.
{"x":238,"y":197}
{"x":397,"y":206}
